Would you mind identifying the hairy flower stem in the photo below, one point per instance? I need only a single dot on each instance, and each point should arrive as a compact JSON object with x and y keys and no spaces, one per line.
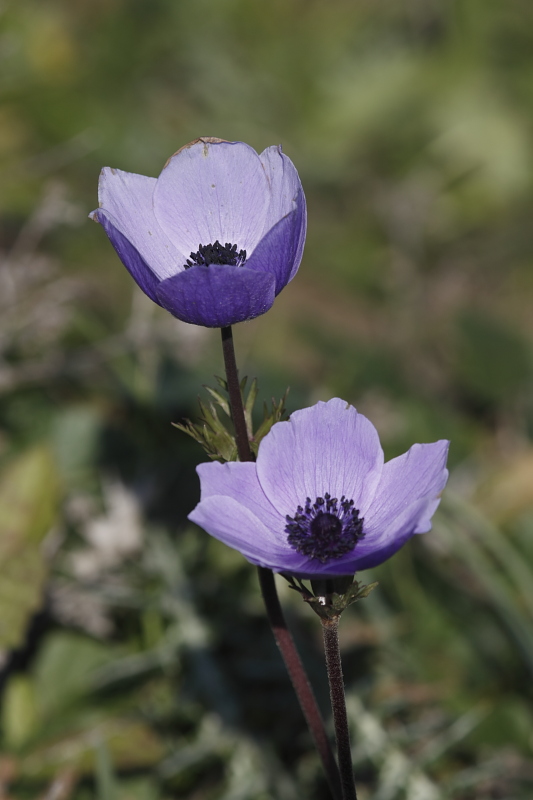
{"x":299,"y":679}
{"x":330,"y":628}
{"x":282,"y":635}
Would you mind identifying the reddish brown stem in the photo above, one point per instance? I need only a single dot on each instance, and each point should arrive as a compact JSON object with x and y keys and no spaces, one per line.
{"x":299,"y":679}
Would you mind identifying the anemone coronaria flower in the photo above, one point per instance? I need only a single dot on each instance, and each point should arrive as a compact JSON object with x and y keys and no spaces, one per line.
{"x":216,"y":237}
{"x":319,"y":500}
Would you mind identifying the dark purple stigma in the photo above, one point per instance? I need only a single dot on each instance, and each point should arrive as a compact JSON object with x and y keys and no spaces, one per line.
{"x":216,"y":254}
{"x":325,"y":529}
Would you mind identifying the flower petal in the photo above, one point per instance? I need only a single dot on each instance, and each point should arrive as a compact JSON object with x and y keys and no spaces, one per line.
{"x":301,"y":207}
{"x":126,"y":198}
{"x":326,"y":448}
{"x":424,"y":523}
{"x":286,"y":191}
{"x":419,"y":473}
{"x":277,"y":252}
{"x":369,"y":553}
{"x":217,"y":296}
{"x":130,"y":257}
{"x":285,"y":186}
{"x":213,"y":190}
{"x":239,"y":480}
{"x":235,"y":525}
{"x":261,"y":537}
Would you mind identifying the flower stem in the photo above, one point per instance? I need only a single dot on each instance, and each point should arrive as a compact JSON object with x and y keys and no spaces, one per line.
{"x":282,"y":635}
{"x":299,"y":679}
{"x":235,"y":396}
{"x":330,"y":628}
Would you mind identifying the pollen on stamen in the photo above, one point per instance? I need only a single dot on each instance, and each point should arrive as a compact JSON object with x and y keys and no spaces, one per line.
{"x":216,"y":254}
{"x":325,"y":529}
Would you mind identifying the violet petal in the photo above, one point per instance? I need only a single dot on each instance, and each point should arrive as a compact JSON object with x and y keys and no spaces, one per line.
{"x":130,"y":257}
{"x":217,"y":296}
{"x":276,"y":252}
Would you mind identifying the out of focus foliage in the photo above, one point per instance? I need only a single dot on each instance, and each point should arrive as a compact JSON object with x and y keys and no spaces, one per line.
{"x":135,"y":660}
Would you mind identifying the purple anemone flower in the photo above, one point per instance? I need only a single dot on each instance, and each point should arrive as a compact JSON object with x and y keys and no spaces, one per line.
{"x":216,"y":237}
{"x":319,"y":500}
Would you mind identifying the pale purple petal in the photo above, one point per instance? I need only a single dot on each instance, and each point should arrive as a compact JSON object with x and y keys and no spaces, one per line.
{"x":287,"y":194}
{"x":419,"y":473}
{"x":301,"y":207}
{"x":217,"y":296}
{"x":238,"y":527}
{"x":284,"y":184}
{"x":212,"y":191}
{"x":126,"y":198}
{"x":276,"y":252}
{"x":326,"y":448}
{"x":130,"y":257}
{"x":239,"y":481}
{"x":424,"y":523}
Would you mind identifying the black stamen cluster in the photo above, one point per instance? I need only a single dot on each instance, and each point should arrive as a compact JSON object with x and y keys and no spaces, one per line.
{"x":216,"y":254}
{"x":325,"y":529}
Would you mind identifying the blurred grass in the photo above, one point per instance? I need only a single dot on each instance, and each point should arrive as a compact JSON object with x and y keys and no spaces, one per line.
{"x":139,"y":666}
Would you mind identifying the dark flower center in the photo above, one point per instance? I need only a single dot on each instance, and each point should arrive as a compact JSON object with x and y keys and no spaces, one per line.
{"x":325,"y":529}
{"x":216,"y":254}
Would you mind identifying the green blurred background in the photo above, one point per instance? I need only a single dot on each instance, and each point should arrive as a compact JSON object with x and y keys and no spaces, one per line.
{"x":135,"y":660}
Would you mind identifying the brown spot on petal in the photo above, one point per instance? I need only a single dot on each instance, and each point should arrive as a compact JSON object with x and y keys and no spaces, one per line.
{"x":205,"y":139}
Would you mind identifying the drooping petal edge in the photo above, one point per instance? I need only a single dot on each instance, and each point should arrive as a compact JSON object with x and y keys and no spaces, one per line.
{"x":419,"y":473}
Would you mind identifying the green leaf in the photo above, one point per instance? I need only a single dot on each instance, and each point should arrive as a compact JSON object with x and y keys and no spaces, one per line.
{"x":219,"y":399}
{"x":29,"y":497}
{"x":64,"y":670}
{"x":331,"y":596}
{"x":212,"y":433}
{"x":19,"y":711}
{"x":131,"y":745}
{"x":106,"y":783}
{"x":277,"y":413}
